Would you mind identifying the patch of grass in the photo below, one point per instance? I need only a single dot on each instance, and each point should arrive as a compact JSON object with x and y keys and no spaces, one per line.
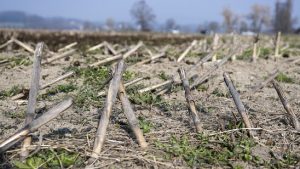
{"x":212,"y":151}
{"x":217,"y":92}
{"x":50,"y":159}
{"x":65,"y":88}
{"x":128,"y":75}
{"x":202,"y":88}
{"x":94,"y":81}
{"x":265,"y":53}
{"x":15,"y":115}
{"x":16,"y":89}
{"x":247,"y":54}
{"x":18,"y":61}
{"x":281,"y":77}
{"x":162,"y":75}
{"x":145,"y":125}
{"x":144,"y":99}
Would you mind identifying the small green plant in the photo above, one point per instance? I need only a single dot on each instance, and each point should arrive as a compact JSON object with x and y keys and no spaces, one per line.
{"x":65,"y":88}
{"x":162,"y":75}
{"x":145,"y":125}
{"x":144,"y":99}
{"x":219,"y":93}
{"x":208,"y":150}
{"x":15,"y":115}
{"x":50,"y":159}
{"x":18,"y":61}
{"x":281,"y":77}
{"x":128,"y":75}
{"x":11,"y":92}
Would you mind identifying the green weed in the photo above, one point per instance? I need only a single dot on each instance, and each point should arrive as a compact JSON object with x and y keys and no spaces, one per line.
{"x":11,"y":92}
{"x":50,"y":159}
{"x":281,"y":77}
{"x":145,"y":125}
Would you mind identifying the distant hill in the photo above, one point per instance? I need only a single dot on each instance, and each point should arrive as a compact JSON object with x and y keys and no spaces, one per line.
{"x":18,"y":19}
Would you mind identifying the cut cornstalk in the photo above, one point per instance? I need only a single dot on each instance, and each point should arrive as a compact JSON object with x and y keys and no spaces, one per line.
{"x":215,"y":46}
{"x":102,"y":93}
{"x":187,"y":50}
{"x":286,"y":105}
{"x":157,"y":56}
{"x":68,"y":74}
{"x":67,"y":47}
{"x":264,"y":83}
{"x":132,"y":120}
{"x":155,"y":86}
{"x":59,"y":56}
{"x":238,"y":103}
{"x":110,"y":100}
{"x":96,"y":47}
{"x":254,"y":54}
{"x":110,"y":48}
{"x":6,"y":43}
{"x":23,"y":45}
{"x":277,"y":45}
{"x":34,"y":88}
{"x":190,"y":100}
{"x":35,"y":124}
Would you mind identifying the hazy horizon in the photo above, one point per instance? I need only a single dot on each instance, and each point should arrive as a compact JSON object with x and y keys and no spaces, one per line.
{"x":183,"y":12}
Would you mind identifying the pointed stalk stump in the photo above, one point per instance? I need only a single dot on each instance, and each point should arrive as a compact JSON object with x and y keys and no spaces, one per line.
{"x":286,"y":105}
{"x":110,"y":100}
{"x":132,"y":120}
{"x":238,"y":103}
{"x":34,"y":87}
{"x":190,"y":100}
{"x":277,"y":45}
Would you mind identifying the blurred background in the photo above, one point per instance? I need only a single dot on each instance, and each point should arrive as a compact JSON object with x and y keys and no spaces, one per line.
{"x":172,"y":16}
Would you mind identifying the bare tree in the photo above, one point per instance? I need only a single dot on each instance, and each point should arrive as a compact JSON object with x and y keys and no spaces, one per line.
{"x":213,"y":26}
{"x":230,"y":20}
{"x":259,"y":17}
{"x":283,"y":20}
{"x":110,"y":24}
{"x":171,"y":25}
{"x":243,"y":26}
{"x":143,"y":14}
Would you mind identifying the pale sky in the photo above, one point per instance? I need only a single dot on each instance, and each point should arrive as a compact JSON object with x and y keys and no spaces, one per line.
{"x":183,"y":11}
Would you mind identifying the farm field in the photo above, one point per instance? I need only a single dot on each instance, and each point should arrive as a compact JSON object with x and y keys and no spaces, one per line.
{"x":164,"y":116}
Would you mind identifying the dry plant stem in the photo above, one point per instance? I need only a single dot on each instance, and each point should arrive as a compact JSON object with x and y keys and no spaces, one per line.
{"x":132,"y":120}
{"x":117,"y":57}
{"x":6,"y":43}
{"x":127,"y":54}
{"x":68,"y":74}
{"x":126,"y":84}
{"x":156,"y":86}
{"x":208,"y":74}
{"x":215,"y":46}
{"x":20,"y":95}
{"x":96,"y":47}
{"x":277,"y":45}
{"x":187,"y":50}
{"x":190,"y":100}
{"x":107,"y":60}
{"x":238,"y":103}
{"x":110,"y":48}
{"x":23,"y":45}
{"x":67,"y":47}
{"x":34,"y":87}
{"x":286,"y":105}
{"x":110,"y":100}
{"x":151,"y":59}
{"x":264,"y":83}
{"x":59,"y":56}
{"x":35,"y":124}
{"x":254,"y":54}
